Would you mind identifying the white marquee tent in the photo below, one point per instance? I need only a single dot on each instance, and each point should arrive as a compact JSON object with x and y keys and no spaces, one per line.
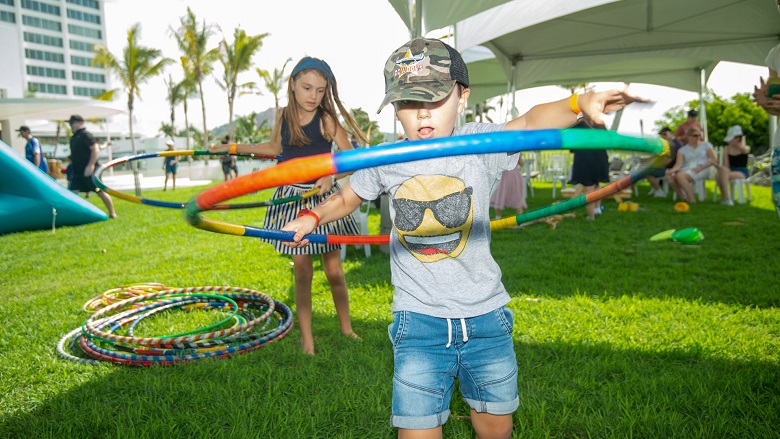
{"x":663,"y":42}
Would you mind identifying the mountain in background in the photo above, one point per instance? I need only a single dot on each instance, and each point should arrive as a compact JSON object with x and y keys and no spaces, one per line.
{"x":222,"y":130}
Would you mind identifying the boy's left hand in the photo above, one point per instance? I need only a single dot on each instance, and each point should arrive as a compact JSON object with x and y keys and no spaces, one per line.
{"x":301,"y":226}
{"x":597,"y":104}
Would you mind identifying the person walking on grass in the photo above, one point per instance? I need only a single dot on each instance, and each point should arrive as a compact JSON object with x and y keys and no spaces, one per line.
{"x":33,"y":151}
{"x":308,"y":126}
{"x":450,"y":318}
{"x":170,"y":165}
{"x":84,"y":151}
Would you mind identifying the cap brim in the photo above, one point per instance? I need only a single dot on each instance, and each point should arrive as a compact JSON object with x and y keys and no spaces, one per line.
{"x":428,"y":91}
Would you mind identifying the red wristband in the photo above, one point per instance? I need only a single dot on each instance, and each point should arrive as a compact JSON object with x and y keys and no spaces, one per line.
{"x":316,"y":217}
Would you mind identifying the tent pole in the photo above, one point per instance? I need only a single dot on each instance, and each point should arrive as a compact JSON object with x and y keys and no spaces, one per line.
{"x":513,"y":89}
{"x":702,"y":109}
{"x":416,"y":7}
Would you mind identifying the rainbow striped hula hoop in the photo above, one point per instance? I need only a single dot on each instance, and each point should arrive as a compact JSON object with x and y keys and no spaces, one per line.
{"x":314,"y":167}
{"x":250,"y":311}
{"x":96,"y":178}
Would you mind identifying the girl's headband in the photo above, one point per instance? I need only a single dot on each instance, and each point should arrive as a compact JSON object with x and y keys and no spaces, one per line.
{"x":313,"y":63}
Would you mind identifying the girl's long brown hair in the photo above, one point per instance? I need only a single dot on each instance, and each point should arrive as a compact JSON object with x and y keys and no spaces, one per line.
{"x":327,"y":106}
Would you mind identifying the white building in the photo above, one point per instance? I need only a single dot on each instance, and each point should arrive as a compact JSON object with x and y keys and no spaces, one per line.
{"x":47,"y":47}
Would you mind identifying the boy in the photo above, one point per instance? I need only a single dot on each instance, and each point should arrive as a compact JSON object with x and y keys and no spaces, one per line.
{"x":449,"y":315}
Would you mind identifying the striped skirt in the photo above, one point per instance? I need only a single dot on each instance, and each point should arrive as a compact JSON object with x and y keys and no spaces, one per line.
{"x":277,"y":216}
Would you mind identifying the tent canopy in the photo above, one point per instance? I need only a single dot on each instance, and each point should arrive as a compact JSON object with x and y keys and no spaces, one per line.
{"x":56,"y":109}
{"x":662,"y":42}
{"x":437,"y":14}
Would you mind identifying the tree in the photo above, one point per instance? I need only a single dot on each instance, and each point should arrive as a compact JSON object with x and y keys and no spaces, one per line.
{"x":248,"y":131}
{"x":189,"y":91}
{"x":174,"y":95}
{"x":193,"y":39}
{"x":237,"y":58}
{"x":136,"y":67}
{"x":722,"y":114}
{"x":368,"y":126}
{"x":274,"y":82}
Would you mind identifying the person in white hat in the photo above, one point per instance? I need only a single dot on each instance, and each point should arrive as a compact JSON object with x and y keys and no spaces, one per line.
{"x":736,"y":152}
{"x":169,"y":165}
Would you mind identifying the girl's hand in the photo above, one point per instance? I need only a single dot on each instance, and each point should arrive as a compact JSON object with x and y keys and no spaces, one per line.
{"x":324,"y":184}
{"x":218,"y":148}
{"x":769,"y":103}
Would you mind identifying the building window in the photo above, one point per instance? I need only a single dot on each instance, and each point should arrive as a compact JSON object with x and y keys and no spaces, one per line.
{"x":81,"y":61}
{"x":7,"y":2}
{"x":80,"y":45}
{"x":41,"y":7}
{"x":7,"y":16}
{"x":84,"y":31}
{"x":47,"y":72}
{"x":89,"y":77}
{"x":44,"y":55}
{"x":42,"y":23}
{"x":87,"y":3}
{"x":83,"y":16}
{"x":41,"y":87}
{"x":86,"y":91}
{"x":42,"y":39}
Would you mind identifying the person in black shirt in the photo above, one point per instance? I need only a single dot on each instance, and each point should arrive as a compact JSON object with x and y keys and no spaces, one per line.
{"x":84,"y":151}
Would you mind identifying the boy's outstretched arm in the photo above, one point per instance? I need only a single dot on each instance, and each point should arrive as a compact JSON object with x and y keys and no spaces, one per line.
{"x":561,"y":114}
{"x":337,"y":206}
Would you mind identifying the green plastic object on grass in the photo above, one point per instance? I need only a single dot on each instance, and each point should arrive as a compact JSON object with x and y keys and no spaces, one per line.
{"x":663,"y":236}
{"x":688,"y":236}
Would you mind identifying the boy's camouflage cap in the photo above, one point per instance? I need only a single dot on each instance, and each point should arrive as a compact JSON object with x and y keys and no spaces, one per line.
{"x":423,"y":70}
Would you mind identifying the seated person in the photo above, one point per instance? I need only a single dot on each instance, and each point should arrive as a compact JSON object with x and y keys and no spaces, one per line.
{"x":735,"y":157}
{"x":693,"y":164}
{"x":652,"y":178}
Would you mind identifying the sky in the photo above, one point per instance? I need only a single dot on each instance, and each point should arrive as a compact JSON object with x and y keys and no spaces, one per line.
{"x":354,"y":36}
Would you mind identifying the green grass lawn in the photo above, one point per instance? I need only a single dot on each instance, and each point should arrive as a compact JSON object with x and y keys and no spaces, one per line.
{"x":616,"y":336}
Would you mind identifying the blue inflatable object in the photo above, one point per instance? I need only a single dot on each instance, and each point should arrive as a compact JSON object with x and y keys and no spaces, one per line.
{"x":29,"y":198}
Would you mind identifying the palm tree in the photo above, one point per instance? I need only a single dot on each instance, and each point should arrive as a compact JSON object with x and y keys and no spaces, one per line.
{"x":275,"y":82}
{"x":136,"y":67}
{"x":192,"y":38}
{"x":237,"y":58}
{"x":189,"y":91}
{"x":174,"y":96}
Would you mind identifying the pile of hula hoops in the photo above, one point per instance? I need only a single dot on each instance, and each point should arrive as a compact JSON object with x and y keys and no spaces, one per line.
{"x":250,"y":320}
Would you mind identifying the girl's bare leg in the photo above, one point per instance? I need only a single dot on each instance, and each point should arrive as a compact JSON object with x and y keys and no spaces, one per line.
{"x":303,"y":274}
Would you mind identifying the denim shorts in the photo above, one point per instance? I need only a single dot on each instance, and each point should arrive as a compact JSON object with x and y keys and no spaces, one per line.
{"x":430,"y":352}
{"x":742,"y":169}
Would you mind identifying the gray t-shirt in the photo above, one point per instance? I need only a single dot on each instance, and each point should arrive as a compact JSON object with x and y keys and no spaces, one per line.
{"x":440,"y":257}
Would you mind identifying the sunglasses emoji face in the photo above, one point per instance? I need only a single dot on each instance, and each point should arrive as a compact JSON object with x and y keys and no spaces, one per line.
{"x":433,"y":216}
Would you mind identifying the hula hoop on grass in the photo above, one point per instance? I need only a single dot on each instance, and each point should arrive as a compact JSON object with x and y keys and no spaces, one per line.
{"x":96,"y":178}
{"x":314,"y":167}
{"x":251,"y":311}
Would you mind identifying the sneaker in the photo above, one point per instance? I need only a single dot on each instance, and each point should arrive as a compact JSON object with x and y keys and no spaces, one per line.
{"x":659,"y":193}
{"x":727,"y":202}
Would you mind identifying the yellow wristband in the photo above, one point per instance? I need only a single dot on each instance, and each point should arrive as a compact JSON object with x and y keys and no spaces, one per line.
{"x":573,"y":104}
{"x":233,"y":148}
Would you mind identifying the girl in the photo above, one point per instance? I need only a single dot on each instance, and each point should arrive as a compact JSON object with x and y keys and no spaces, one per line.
{"x":735,"y":159}
{"x":308,"y":126}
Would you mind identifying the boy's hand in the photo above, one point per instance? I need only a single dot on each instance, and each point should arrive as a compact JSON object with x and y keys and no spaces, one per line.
{"x":218,"y":148}
{"x":301,"y":226}
{"x":596,"y":105}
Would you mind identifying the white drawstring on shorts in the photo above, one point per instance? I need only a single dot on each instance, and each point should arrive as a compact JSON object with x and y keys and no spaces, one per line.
{"x":449,"y":332}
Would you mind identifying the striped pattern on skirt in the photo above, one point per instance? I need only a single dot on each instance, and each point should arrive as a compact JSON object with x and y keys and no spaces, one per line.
{"x":277,"y":216}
